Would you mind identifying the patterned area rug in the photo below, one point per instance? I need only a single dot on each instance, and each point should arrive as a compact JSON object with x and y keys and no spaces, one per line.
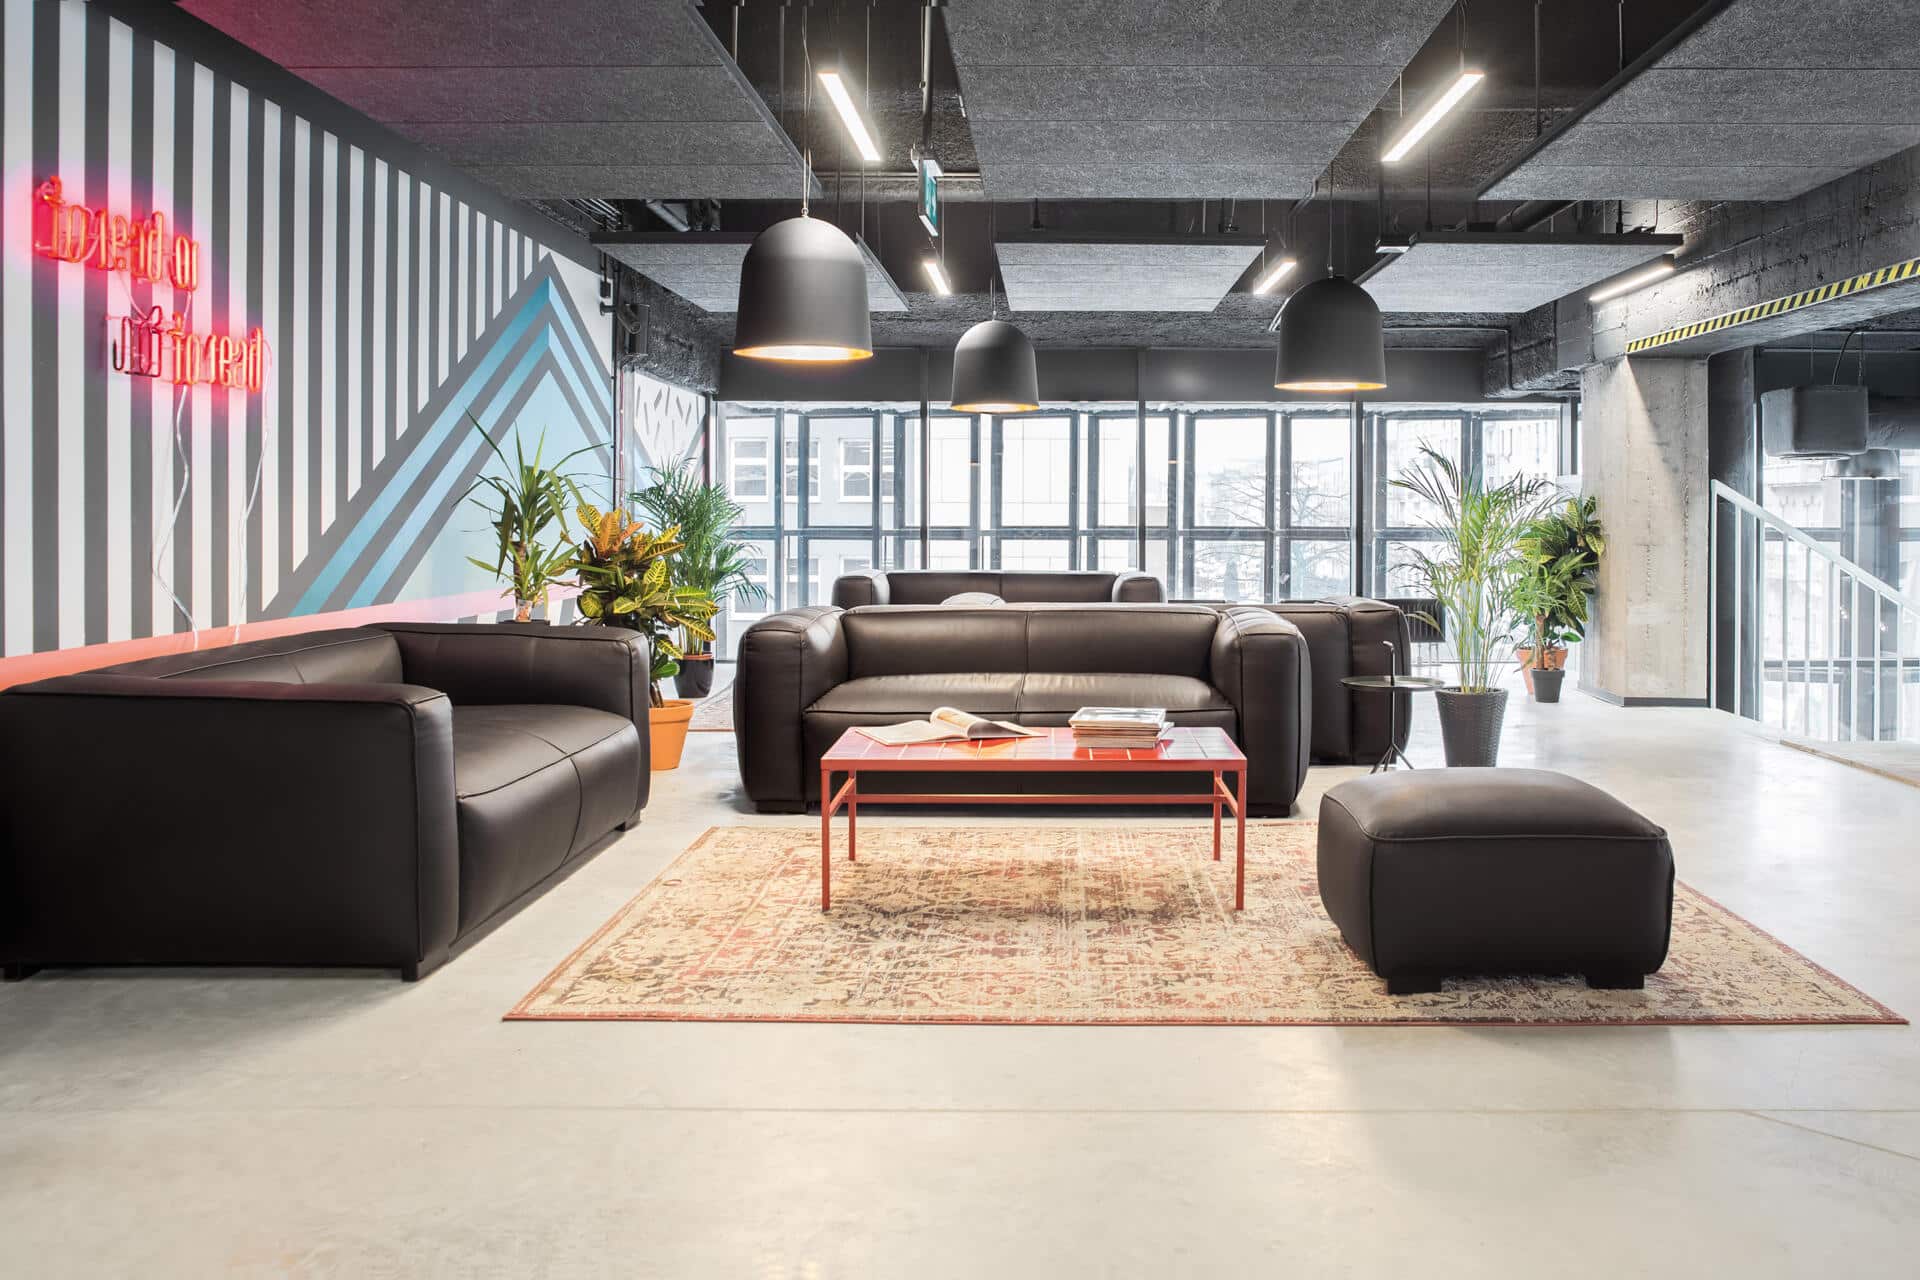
{"x":1090,"y":924}
{"x":714,"y":714}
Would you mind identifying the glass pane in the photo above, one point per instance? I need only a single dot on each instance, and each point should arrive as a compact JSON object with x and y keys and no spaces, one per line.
{"x":1321,"y":491}
{"x":951,"y":553}
{"x":736,"y":613}
{"x":1401,"y":450}
{"x":953,"y":472}
{"x":749,"y":467}
{"x":1398,"y":576}
{"x":1119,"y":453}
{"x":1512,"y":447}
{"x":1034,"y":553}
{"x":1318,"y":570}
{"x":1234,"y":571}
{"x":1798,"y":491}
{"x":1230,"y":472}
{"x":1035,"y":471}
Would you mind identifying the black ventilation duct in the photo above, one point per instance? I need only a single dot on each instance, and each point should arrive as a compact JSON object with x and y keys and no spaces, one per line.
{"x":1833,"y":420}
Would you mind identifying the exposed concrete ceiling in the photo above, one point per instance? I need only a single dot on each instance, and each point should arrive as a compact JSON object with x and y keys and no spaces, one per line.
{"x":1485,"y":271}
{"x":1764,"y":100}
{"x":1141,"y":99}
{"x":587,"y":98}
{"x":1130,"y":273}
{"x":704,"y":266}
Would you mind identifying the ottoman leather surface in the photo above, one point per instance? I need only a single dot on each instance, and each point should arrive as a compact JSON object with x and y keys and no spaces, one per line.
{"x":1440,"y":872}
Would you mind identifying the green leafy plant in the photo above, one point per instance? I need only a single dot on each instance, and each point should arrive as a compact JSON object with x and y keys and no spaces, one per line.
{"x":1561,"y":551}
{"x":709,"y":559}
{"x":1476,"y":564}
{"x":530,"y":501}
{"x":626,"y":580}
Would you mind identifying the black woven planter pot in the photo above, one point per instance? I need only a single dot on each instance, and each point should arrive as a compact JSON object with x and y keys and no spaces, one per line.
{"x":695,"y":678}
{"x":1546,"y":685}
{"x":1470,"y":726}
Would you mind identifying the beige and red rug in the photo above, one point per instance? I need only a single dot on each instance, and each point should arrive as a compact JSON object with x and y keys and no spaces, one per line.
{"x":1090,"y":924}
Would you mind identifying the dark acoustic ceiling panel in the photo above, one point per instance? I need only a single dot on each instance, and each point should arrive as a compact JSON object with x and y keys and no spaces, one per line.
{"x":1765,"y":100}
{"x":583,"y":98}
{"x":1090,"y":99}
{"x":704,"y":266}
{"x":1176,"y":273}
{"x":1490,"y":272}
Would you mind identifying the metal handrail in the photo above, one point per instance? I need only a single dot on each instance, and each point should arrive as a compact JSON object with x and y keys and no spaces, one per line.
{"x":1773,"y":520}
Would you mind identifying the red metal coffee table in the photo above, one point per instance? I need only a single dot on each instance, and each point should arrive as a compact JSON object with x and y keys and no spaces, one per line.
{"x":1181,"y":751}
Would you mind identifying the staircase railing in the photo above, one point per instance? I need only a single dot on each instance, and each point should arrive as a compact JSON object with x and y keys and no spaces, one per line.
{"x":1812,"y":643}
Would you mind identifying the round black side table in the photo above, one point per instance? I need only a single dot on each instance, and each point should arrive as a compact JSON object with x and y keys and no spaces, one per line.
{"x":1391,"y":685}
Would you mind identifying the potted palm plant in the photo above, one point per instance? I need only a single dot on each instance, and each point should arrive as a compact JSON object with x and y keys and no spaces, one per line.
{"x":1472,"y":574}
{"x":709,"y":559}
{"x":528,"y":515}
{"x":626,"y":580}
{"x":1562,"y":550}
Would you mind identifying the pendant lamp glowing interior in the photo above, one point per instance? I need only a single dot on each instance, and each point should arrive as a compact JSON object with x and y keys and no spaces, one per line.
{"x":994,"y":370}
{"x":1330,"y":339}
{"x":803,"y":296}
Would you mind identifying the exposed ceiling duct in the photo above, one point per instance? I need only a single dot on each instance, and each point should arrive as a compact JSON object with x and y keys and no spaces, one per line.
{"x":1836,"y":420}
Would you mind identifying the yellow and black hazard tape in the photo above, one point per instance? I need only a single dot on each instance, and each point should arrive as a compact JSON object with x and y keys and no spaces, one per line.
{"x":1780,"y":306}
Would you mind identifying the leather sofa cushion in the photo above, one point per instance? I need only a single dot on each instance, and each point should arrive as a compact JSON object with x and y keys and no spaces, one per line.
{"x":1067,"y":692}
{"x":1073,"y":588}
{"x":534,"y":784}
{"x":1472,"y":805}
{"x":1173,"y":640}
{"x":981,"y":693}
{"x":894,"y":640}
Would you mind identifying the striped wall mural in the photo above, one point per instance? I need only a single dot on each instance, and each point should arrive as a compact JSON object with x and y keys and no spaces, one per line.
{"x":395,"y":298}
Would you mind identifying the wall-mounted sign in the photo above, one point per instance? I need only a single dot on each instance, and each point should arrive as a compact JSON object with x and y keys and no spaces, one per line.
{"x":930,"y":194}
{"x":142,"y":247}
{"x":156,"y":343}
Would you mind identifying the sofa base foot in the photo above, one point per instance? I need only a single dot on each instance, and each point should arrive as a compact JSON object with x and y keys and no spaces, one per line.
{"x":1617,"y":981}
{"x":16,"y":972}
{"x":1413,"y":985}
{"x":421,"y":968}
{"x":630,"y":824}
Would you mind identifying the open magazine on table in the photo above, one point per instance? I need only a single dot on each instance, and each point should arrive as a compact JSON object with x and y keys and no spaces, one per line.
{"x":946,"y":724}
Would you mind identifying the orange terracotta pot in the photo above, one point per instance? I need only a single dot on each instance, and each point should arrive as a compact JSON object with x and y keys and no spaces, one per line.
{"x":667,"y":732}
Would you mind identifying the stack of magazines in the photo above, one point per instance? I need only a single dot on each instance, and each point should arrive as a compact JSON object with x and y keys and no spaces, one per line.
{"x":1126,"y":727}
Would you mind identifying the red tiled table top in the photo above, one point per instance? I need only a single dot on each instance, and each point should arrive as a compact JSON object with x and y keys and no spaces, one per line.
{"x":1202,"y":749}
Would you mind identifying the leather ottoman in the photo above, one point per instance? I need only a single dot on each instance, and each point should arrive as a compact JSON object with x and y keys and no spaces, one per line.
{"x":1439,"y":873}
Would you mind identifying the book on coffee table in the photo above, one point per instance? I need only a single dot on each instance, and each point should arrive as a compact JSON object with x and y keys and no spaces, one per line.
{"x":946,"y":724}
{"x":1127,"y":728}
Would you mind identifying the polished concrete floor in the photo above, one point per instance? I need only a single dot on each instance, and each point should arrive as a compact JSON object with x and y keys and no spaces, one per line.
{"x":270,"y":1123}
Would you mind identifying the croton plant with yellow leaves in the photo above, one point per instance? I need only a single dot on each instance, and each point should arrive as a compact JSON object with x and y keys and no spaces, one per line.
{"x":626,"y":580}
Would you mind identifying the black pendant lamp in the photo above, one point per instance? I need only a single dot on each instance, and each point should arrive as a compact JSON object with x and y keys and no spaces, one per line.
{"x":803,"y":286}
{"x":803,"y":295}
{"x":1330,"y":334}
{"x":994,"y":370}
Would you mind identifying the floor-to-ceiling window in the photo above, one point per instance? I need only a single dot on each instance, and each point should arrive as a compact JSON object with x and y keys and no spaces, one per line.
{"x":1241,"y":504}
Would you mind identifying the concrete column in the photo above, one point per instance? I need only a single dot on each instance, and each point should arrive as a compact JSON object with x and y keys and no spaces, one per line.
{"x":1643,"y":455}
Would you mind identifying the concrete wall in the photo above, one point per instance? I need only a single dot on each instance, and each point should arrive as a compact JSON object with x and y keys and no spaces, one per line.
{"x":1643,"y":454}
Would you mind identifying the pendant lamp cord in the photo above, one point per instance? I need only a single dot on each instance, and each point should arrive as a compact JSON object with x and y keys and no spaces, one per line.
{"x":806,"y":117}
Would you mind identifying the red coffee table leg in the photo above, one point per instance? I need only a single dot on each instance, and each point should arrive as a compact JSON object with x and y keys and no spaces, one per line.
{"x":1219,"y":783}
{"x":1240,"y":845}
{"x":826,"y":839}
{"x":853,"y":813}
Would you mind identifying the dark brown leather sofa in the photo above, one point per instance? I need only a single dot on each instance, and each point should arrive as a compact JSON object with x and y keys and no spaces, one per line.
{"x":1348,"y":636}
{"x":374,"y":796}
{"x":931,"y":586}
{"x":806,"y":675}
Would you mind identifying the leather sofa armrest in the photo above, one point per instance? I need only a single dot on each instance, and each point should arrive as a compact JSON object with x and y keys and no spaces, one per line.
{"x":1135,"y":587}
{"x":480,"y":664}
{"x":787,"y":662}
{"x":852,"y":590}
{"x":1260,"y":664}
{"x":272,"y":823}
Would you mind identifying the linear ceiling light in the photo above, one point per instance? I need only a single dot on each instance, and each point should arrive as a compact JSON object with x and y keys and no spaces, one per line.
{"x":938,"y":275}
{"x":836,"y":87}
{"x":1466,"y":83}
{"x":1627,"y":284}
{"x":1393,"y":246}
{"x":1274,"y":275}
